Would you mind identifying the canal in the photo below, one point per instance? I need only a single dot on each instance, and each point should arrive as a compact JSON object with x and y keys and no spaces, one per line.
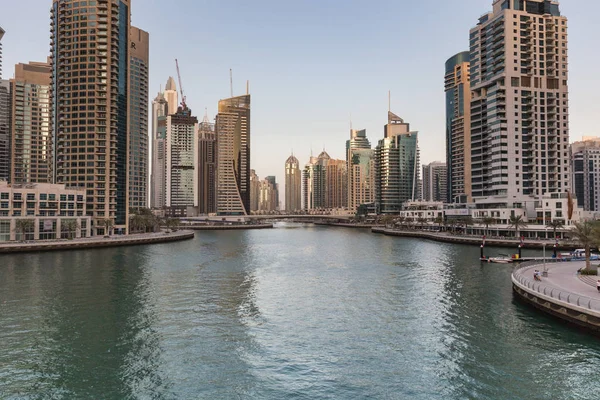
{"x":296,"y":312}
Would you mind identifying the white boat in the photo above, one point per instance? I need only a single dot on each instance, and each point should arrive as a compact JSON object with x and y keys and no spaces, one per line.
{"x":500,"y":260}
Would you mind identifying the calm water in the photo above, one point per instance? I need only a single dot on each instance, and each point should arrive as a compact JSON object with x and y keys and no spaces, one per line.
{"x":297,"y":312}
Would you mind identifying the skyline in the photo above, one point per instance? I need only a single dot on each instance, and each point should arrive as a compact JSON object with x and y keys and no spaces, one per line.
{"x":305,"y":65}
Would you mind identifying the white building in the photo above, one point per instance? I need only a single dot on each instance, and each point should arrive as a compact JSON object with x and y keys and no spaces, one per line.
{"x":48,"y":208}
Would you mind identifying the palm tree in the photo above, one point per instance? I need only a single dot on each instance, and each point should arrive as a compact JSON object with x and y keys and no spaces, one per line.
{"x":400,"y":220}
{"x":586,"y":233}
{"x":439,"y":220}
{"x":517,"y":223}
{"x":24,"y":226}
{"x":70,"y":226}
{"x":422,"y":221}
{"x":487,"y":221}
{"x":108,"y":225}
{"x":138,"y":222}
{"x":556,"y":224}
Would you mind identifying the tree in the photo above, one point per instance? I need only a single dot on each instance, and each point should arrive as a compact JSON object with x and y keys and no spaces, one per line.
{"x":586,"y":233}
{"x":517,"y":223}
{"x":138,"y":222}
{"x":108,"y":224}
{"x":387,"y":220}
{"x":70,"y":226}
{"x":556,"y":224}
{"x":487,"y":221}
{"x":422,"y":221}
{"x":570,"y":205}
{"x":172,"y":224}
{"x":24,"y":226}
{"x":439,"y":220}
{"x":400,"y":221}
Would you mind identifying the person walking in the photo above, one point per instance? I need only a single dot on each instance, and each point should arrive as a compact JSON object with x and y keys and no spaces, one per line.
{"x":598,"y":285}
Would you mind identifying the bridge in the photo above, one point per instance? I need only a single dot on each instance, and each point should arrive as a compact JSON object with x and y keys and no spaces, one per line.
{"x":302,"y":217}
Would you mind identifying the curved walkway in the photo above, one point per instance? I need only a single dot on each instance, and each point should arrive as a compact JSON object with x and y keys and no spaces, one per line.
{"x":95,"y":242}
{"x":562,"y":287}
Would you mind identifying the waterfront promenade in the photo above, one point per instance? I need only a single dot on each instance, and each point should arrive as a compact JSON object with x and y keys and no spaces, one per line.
{"x":563,"y":292}
{"x":95,"y":242}
{"x":476,"y":240}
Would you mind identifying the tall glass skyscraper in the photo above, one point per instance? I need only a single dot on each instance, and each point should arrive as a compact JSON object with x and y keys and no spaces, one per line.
{"x":361,"y":169}
{"x":90,"y":104}
{"x":233,"y":156}
{"x":458,"y":128}
{"x":397,"y":166}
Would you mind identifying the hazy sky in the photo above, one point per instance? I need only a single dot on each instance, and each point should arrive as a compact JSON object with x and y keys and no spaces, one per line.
{"x":315,"y":64}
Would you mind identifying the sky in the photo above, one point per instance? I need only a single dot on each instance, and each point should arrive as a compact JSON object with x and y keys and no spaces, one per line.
{"x":317,"y":67}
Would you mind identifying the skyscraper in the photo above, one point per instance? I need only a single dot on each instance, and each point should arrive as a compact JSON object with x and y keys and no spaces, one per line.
{"x":5,"y":125}
{"x":90,"y":104}
{"x":254,"y":191}
{"x":585,"y":169}
{"x":274,"y":202}
{"x":138,"y":118}
{"x":293,"y":185}
{"x":396,"y":166}
{"x":435,"y":177}
{"x":314,"y":182}
{"x":337,"y":185}
{"x":360,"y":166}
{"x":171,"y":96}
{"x":233,"y":156}
{"x":31,"y":152}
{"x":159,"y":153}
{"x":181,"y":162}
{"x":458,"y":127}
{"x":207,"y":167}
{"x":519,"y":108}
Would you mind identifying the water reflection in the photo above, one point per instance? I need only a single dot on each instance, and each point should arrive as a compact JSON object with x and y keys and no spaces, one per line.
{"x":306,"y":312}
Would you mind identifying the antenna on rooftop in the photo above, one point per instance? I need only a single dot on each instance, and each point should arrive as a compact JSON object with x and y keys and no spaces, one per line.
{"x":389,"y":100}
{"x":231,"y":81}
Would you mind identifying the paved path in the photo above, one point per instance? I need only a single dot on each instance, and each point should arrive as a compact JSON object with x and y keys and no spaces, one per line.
{"x":95,"y":241}
{"x":563,"y":282}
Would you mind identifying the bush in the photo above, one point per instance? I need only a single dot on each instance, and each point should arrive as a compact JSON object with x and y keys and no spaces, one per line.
{"x":584,"y":271}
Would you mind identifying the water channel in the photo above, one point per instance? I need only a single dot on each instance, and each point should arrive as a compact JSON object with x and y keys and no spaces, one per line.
{"x":296,"y":312}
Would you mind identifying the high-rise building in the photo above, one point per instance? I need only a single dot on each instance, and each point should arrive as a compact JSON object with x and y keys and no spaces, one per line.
{"x":585,"y":169}
{"x":519,"y":105}
{"x":274,"y":201}
{"x":2,"y":32}
{"x":254,"y":191}
{"x":171,"y":96}
{"x":336,"y":178}
{"x":138,"y":118}
{"x":458,"y":127}
{"x":435,"y":177}
{"x":90,"y":104}
{"x":360,"y":166}
{"x":159,"y":153}
{"x":269,"y":195}
{"x":5,"y":124}
{"x":233,"y":156}
{"x":207,"y":167}
{"x":181,"y":162}
{"x":396,"y":166}
{"x":31,"y":152}
{"x":293,"y":185}
{"x":314,"y":182}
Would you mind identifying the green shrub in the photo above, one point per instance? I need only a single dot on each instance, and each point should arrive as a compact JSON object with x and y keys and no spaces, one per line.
{"x":588,"y":272}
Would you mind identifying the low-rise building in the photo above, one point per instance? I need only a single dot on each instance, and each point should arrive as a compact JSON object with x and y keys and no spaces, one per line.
{"x":50,"y":211}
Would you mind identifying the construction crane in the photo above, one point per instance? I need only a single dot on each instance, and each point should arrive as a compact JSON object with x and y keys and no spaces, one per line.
{"x":183,"y":104}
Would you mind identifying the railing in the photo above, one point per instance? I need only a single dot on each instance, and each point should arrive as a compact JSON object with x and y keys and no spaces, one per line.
{"x":544,"y":289}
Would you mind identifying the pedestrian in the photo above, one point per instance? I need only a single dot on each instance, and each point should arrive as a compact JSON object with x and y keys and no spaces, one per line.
{"x":598,"y":285}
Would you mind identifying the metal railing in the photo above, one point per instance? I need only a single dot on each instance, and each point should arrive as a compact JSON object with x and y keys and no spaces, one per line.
{"x":553,"y":292}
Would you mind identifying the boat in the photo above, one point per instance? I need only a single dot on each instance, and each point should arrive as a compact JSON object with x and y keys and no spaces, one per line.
{"x":502,"y":259}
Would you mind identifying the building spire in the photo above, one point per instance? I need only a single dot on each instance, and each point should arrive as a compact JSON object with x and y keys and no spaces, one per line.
{"x":205,"y":115}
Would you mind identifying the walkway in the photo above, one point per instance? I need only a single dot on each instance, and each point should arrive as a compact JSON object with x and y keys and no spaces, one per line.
{"x":93,"y":242}
{"x":562,"y":284}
